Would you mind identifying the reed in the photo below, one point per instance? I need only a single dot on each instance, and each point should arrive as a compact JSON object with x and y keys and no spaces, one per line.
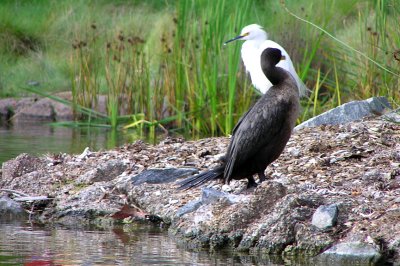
{"x":175,"y":74}
{"x":358,"y":62}
{"x":85,"y":71}
{"x":207,"y":84}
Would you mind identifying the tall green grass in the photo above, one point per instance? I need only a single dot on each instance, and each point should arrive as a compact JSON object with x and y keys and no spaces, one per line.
{"x":194,"y":79}
{"x":206,"y":84}
{"x":354,"y":56}
{"x":162,"y":65}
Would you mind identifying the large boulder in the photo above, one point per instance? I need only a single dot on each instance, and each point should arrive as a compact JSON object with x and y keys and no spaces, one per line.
{"x":348,"y":112}
{"x":29,"y":108}
{"x":10,"y":209}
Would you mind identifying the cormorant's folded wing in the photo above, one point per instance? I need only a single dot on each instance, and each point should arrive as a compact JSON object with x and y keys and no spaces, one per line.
{"x":257,"y":128}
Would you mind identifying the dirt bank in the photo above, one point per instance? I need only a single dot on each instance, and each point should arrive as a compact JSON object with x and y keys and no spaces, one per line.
{"x":353,"y":168}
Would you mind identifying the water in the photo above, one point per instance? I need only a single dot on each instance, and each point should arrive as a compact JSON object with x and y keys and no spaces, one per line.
{"x":39,"y":137}
{"x":23,"y":243}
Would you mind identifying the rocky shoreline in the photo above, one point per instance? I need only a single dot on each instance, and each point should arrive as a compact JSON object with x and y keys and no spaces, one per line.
{"x":333,"y":195}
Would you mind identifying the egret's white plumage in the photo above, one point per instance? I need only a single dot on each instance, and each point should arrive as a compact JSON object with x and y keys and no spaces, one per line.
{"x":256,"y":41}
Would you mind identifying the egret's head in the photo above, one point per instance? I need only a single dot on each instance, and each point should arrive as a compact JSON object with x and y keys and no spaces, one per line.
{"x":251,"y":32}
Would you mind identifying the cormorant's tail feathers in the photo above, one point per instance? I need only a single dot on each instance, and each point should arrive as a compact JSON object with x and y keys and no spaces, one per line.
{"x":200,"y":179}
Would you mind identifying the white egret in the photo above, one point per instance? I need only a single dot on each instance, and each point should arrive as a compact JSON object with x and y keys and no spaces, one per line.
{"x":256,"y":41}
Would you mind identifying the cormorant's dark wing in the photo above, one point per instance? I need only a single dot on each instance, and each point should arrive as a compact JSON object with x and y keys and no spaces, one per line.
{"x":257,"y":128}
{"x":240,"y":121}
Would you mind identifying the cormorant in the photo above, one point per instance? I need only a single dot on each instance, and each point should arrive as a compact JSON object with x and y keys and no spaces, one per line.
{"x":256,"y":41}
{"x":262,"y":132}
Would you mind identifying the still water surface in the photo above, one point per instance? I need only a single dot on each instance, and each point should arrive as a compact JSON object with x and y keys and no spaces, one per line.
{"x":24,"y":244}
{"x":39,"y":137}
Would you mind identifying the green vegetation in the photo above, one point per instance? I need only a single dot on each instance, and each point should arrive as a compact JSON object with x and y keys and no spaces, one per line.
{"x":162,"y":64}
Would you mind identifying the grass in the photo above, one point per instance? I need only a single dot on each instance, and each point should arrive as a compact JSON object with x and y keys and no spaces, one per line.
{"x":206,"y":83}
{"x":162,"y":63}
{"x":187,"y":84}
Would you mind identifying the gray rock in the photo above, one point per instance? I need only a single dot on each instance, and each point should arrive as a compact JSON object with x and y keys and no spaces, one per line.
{"x":41,"y":110}
{"x":393,"y":246}
{"x":295,"y":152}
{"x":12,"y":106}
{"x":7,"y":107}
{"x":22,"y":164}
{"x":208,"y":196}
{"x":348,"y":112}
{"x":188,"y":208}
{"x":10,"y":208}
{"x":393,"y":116}
{"x":162,"y":175}
{"x":62,"y":111}
{"x":34,"y":183}
{"x":86,"y":205}
{"x":351,"y":253}
{"x":44,"y":108}
{"x":275,"y":230}
{"x":372,"y":175}
{"x":325,"y":216}
{"x":105,"y":172}
{"x":211,"y":195}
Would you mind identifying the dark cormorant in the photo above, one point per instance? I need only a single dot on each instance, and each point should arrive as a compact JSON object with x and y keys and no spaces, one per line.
{"x":262,"y":132}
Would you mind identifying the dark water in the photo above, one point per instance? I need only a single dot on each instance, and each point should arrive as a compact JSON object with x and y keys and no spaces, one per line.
{"x":25,"y":244}
{"x":39,"y":137}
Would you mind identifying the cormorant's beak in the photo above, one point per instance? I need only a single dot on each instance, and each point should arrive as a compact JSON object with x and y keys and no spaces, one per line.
{"x":236,"y":38}
{"x":283,"y":58}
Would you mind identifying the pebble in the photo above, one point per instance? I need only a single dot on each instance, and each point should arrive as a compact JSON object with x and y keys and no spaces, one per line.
{"x":325,"y":216}
{"x":226,"y":188}
{"x":295,"y":152}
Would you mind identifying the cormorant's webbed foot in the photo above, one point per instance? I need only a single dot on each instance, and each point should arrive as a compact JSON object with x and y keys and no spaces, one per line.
{"x":261,"y":177}
{"x":252,"y":183}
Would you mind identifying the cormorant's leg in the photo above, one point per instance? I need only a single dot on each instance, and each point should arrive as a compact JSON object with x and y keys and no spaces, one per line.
{"x":251,"y":183}
{"x":261,"y":176}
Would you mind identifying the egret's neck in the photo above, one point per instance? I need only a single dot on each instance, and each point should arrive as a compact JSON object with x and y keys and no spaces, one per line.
{"x":250,"y":54}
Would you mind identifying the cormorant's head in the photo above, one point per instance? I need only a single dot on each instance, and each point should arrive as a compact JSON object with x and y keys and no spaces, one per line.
{"x":269,"y":58}
{"x":272,"y":56}
{"x":251,"y":32}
